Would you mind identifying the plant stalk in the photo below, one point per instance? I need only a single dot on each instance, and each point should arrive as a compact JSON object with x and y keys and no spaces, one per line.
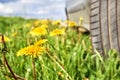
{"x":8,"y":66}
{"x":33,"y":67}
{"x":48,"y":53}
{"x":4,"y":58}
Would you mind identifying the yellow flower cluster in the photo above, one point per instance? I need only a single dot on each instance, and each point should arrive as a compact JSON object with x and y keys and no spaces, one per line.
{"x":71,"y":23}
{"x":38,"y":31}
{"x":38,"y":22}
{"x":57,"y":22}
{"x":44,"y":21}
{"x":40,"y":42}
{"x":44,"y":26}
{"x":28,"y":25}
{"x":6,"y":39}
{"x":57,"y":32}
{"x":32,"y":50}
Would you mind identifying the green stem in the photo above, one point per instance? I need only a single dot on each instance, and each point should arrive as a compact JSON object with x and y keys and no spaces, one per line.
{"x":33,"y":67}
{"x":5,"y":60}
{"x":58,"y":64}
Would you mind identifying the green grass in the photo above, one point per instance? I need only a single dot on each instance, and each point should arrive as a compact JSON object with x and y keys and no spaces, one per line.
{"x":71,"y":54}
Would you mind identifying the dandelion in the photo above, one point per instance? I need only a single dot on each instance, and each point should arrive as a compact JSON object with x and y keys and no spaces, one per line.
{"x":31,"y":50}
{"x":44,"y":26}
{"x":40,"y":42}
{"x":6,"y":39}
{"x":60,"y":74}
{"x":28,"y":25}
{"x":57,"y":32}
{"x":38,"y":31}
{"x":81,"y":21}
{"x":57,"y":22}
{"x":81,"y":18}
{"x":14,"y":34}
{"x":71,"y":23}
{"x":37,"y":22}
{"x":44,"y":21}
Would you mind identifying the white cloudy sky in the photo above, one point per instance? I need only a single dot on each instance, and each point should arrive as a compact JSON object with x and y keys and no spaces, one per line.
{"x":33,"y":8}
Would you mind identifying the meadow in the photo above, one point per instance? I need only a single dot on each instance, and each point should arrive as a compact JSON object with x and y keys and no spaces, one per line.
{"x":45,"y":50}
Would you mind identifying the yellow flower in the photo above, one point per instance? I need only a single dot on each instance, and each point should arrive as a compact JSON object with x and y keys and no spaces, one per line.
{"x":37,"y":22}
{"x":81,"y":18}
{"x":57,"y":22}
{"x":71,"y":23}
{"x":85,"y":79}
{"x":6,"y":39}
{"x":42,"y":41}
{"x":28,"y":25}
{"x":57,"y":32}
{"x":14,"y":34}
{"x":38,"y":31}
{"x":32,"y":50}
{"x":60,"y":74}
{"x":81,"y":21}
{"x":44,"y":26}
{"x":44,"y":21}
